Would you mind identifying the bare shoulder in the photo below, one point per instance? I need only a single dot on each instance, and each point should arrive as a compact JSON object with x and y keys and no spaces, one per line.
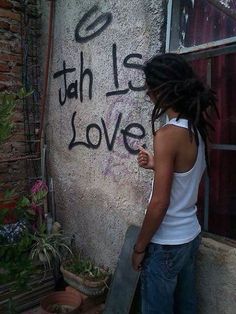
{"x":165,"y":139}
{"x":168,"y":134}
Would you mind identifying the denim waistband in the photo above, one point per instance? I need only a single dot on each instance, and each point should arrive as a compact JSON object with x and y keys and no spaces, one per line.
{"x":170,"y":246}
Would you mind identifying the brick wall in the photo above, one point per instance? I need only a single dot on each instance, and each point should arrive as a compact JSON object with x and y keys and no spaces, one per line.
{"x":10,"y":44}
{"x":16,"y":23}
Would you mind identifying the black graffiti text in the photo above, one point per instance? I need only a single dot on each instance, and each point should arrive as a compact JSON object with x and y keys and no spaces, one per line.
{"x":104,"y":19}
{"x":71,"y":91}
{"x":126,"y":64}
{"x":110,"y":141}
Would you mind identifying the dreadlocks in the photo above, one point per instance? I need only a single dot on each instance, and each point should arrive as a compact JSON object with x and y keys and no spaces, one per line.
{"x":176,"y":86}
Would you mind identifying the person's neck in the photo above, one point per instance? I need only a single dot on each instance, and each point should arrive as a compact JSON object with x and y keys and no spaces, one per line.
{"x":172,"y":114}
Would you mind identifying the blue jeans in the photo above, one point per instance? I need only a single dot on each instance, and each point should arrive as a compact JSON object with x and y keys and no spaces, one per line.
{"x":168,"y":279}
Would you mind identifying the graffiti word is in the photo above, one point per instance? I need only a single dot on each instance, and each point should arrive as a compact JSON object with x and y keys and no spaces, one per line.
{"x":129,"y":132}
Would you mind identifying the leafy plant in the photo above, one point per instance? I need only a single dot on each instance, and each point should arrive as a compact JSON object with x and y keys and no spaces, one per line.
{"x":7,"y":106}
{"x":49,"y":247}
{"x":13,"y":210}
{"x":38,"y":192}
{"x":15,"y":262}
{"x":86,"y":269}
{"x":9,"y":194}
{"x":26,"y":208}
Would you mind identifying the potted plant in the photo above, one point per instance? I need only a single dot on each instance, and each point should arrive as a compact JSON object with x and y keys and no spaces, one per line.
{"x":49,"y":247}
{"x":15,"y":217}
{"x":83,"y":275}
{"x":18,"y":214}
{"x":67,"y":301}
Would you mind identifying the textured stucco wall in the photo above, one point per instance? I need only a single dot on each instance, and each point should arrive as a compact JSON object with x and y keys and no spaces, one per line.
{"x":100,"y":190}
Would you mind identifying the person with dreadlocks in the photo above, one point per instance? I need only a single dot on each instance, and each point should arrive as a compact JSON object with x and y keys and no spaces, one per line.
{"x":169,"y":238}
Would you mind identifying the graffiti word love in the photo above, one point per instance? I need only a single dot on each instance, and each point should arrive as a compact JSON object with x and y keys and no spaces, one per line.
{"x":129,"y":133}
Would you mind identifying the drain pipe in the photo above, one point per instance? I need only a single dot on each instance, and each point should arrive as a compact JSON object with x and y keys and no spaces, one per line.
{"x":46,"y":71}
{"x":42,"y":147}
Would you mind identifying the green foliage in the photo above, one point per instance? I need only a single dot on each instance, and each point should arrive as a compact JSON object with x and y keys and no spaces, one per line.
{"x":3,"y":214}
{"x":19,"y":260}
{"x":86,"y":268}
{"x":22,"y":207}
{"x":9,"y":194}
{"x":23,"y":210}
{"x":49,"y":247}
{"x":7,"y":106}
{"x":24,"y":202}
{"x":11,"y":307}
{"x":15,"y":262}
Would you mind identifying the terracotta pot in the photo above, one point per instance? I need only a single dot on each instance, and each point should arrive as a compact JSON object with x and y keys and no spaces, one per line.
{"x":88,"y":287}
{"x":69,"y":299}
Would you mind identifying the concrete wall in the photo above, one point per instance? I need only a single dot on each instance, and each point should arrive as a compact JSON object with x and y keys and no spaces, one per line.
{"x":99,"y":188}
{"x":216,"y":277}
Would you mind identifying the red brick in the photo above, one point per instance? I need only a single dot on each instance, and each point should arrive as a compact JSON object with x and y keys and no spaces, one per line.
{"x":16,"y":70}
{"x":9,"y":36}
{"x":16,"y":48}
{"x":6,"y":4}
{"x":19,"y":127}
{"x":19,"y":138}
{"x":6,"y":77}
{"x":10,"y":57}
{"x":18,"y":147}
{"x":4,"y":25}
{"x":17,"y":117}
{"x":15,"y":28}
{"x":5,"y":46}
{"x":9,"y":83}
{"x":4,"y":67}
{"x":10,"y":15}
{"x":3,"y":87}
{"x":17,"y":5}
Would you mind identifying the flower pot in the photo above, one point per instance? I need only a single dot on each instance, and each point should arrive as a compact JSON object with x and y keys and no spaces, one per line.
{"x":67,"y":301}
{"x":88,"y":287}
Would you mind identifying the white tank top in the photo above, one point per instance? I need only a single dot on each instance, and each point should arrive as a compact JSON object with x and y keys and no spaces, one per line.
{"x":180,"y":224}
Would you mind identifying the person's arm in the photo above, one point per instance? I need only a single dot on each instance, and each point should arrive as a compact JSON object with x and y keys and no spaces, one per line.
{"x":164,"y":157}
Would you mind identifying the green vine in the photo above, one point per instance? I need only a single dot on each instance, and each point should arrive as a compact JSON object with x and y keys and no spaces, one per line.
{"x":7,"y":105}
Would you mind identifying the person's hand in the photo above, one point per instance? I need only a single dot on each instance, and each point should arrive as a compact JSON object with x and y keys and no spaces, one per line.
{"x":137,"y":259}
{"x":145,"y":159}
